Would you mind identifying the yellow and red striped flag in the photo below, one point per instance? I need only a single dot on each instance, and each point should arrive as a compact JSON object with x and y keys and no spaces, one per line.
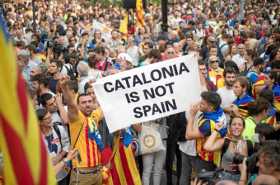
{"x":140,"y":13}
{"x":124,"y":170}
{"x":25,"y":157}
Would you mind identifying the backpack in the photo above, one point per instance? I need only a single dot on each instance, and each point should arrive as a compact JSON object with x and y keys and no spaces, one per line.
{"x":70,"y":71}
{"x":57,"y":131}
{"x":249,"y":147}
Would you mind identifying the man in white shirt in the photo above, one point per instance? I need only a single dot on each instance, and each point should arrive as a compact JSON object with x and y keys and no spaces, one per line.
{"x":239,"y":58}
{"x":226,"y":93}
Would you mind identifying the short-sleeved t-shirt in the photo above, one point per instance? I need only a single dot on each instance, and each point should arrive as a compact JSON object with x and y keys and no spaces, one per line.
{"x":88,"y":149}
{"x":249,"y":130}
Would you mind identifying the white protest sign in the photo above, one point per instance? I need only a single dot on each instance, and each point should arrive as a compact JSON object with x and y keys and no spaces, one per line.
{"x":148,"y":92}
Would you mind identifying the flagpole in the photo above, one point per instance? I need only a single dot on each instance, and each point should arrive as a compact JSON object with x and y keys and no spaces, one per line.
{"x":164,"y":12}
{"x":33,"y":16}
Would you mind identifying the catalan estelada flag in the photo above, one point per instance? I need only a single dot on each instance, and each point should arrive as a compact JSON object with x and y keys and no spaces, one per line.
{"x":124,"y":170}
{"x":140,"y":13}
{"x":242,"y":103}
{"x":24,"y":154}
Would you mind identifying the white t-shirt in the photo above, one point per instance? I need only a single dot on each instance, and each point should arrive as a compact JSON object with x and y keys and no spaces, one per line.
{"x":239,"y":60}
{"x":227,"y":97}
{"x":56,"y":145}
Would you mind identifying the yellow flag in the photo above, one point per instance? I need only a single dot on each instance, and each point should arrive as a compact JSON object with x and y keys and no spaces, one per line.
{"x":124,"y":24}
{"x":24,"y":152}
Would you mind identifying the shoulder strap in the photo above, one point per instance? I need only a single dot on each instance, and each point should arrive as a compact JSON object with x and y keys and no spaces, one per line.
{"x":250,"y":147}
{"x":76,"y":140}
{"x":225,"y":146}
{"x":57,"y":131}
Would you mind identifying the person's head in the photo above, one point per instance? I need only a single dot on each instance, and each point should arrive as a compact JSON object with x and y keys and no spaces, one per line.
{"x":89,"y":90}
{"x":99,"y":53}
{"x":268,"y":95}
{"x":231,"y":64}
{"x":259,"y":108}
{"x":170,"y":53}
{"x":237,"y":125}
{"x":229,"y":76}
{"x":269,"y":158}
{"x":234,"y":49}
{"x":258,"y":63}
{"x":213,"y":51}
{"x":43,"y":82}
{"x":211,"y":41}
{"x":241,"y":49}
{"x":35,"y":70}
{"x":35,"y":82}
{"x":214,"y":62}
{"x":85,"y":103}
{"x":49,"y":102}
{"x":240,"y":86}
{"x":202,"y":68}
{"x":44,"y":117}
{"x":265,"y":132}
{"x":83,"y":69}
{"x":54,"y":67}
{"x":147,"y":46}
{"x":73,"y":86}
{"x":210,"y":101}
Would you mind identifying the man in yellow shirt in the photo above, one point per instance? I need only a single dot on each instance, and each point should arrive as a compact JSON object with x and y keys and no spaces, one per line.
{"x":83,"y":124}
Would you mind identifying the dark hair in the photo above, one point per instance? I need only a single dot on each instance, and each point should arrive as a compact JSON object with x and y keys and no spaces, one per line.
{"x":243,"y":121}
{"x":99,"y":50}
{"x":44,"y":98}
{"x":44,"y":80}
{"x":229,"y":70}
{"x":268,"y":95}
{"x":57,"y":62}
{"x":35,"y":78}
{"x":230,"y":63}
{"x":87,"y":86}
{"x":265,"y":130}
{"x":275,"y":64}
{"x":271,"y":150}
{"x":41,"y":113}
{"x":201,"y":62}
{"x":81,"y":95}
{"x":258,"y":106}
{"x":258,"y":61}
{"x":212,"y":98}
{"x":73,"y":85}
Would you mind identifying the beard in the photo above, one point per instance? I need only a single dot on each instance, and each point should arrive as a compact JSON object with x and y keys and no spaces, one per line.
{"x":229,"y":84}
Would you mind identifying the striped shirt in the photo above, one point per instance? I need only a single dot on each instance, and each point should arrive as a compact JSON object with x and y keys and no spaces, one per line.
{"x":89,"y":153}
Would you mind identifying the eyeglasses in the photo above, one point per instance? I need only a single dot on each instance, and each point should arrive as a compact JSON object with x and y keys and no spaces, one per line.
{"x":170,"y":53}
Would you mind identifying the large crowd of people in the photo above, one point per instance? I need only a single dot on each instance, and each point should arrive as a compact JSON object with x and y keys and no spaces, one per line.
{"x":230,"y":137}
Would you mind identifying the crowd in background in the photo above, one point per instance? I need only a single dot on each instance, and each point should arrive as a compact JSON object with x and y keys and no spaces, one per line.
{"x":231,"y":135}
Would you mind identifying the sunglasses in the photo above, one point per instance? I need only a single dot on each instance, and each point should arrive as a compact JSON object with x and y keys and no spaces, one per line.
{"x":213,"y":61}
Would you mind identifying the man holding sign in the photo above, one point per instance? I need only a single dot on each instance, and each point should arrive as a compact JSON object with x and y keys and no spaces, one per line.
{"x":149,"y":92}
